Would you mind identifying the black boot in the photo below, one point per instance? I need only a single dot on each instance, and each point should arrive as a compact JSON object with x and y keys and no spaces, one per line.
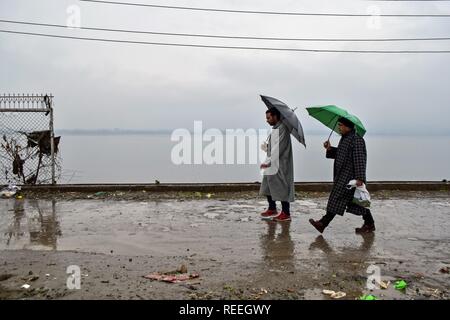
{"x":369,"y":223}
{"x":319,"y":225}
{"x":366,"y":228}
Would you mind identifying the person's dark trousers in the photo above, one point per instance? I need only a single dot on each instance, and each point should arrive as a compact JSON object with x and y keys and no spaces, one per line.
{"x":272,"y":204}
{"x":361,"y":211}
{"x":285,"y":206}
{"x":368,"y":219}
{"x":326,"y":219}
{"x":367,"y":216}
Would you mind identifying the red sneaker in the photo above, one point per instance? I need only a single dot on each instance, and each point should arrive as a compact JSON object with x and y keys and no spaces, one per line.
{"x":282,"y":217}
{"x":269,"y":214}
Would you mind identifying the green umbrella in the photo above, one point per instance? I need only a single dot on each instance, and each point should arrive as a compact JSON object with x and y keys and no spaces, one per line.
{"x":329,"y":116}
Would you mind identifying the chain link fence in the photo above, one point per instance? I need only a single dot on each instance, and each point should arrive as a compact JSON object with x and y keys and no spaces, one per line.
{"x":29,"y":151}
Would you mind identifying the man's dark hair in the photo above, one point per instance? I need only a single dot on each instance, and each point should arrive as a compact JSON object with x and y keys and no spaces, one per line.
{"x":274,"y":112}
{"x":347,"y":123}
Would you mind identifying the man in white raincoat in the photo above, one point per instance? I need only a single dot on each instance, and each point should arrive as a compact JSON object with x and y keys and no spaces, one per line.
{"x":278,"y":180}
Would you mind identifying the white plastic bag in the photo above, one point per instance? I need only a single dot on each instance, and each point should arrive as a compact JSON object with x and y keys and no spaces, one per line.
{"x":9,"y":191}
{"x":362,"y":196}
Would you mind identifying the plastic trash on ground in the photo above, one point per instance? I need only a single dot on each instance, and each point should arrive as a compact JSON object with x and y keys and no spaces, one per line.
{"x":9,"y":191}
{"x":444,"y":270}
{"x":384,"y":285}
{"x":171,"y":278}
{"x":333,"y":294}
{"x":368,"y":297}
{"x":400,"y":285}
{"x":179,"y":275}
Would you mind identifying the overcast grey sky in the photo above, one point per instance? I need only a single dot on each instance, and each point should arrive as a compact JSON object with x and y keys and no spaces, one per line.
{"x":108,"y":85}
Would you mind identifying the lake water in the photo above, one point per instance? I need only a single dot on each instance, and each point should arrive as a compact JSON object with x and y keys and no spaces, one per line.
{"x":145,"y":158}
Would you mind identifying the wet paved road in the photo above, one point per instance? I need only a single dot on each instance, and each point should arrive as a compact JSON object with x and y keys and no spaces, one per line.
{"x":236,"y":254}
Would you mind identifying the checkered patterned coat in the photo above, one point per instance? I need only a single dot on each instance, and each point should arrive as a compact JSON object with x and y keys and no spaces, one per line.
{"x":350,"y":158}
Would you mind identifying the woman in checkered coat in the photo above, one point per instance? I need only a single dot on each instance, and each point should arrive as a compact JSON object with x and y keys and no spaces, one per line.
{"x":350,"y":158}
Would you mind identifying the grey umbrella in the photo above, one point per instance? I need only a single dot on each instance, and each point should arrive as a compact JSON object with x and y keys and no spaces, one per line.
{"x":288,"y":117}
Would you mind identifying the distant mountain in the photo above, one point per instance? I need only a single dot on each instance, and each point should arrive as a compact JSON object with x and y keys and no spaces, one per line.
{"x":109,"y":131}
{"x":117,"y":131}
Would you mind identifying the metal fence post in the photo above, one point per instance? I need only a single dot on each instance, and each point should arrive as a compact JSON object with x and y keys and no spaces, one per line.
{"x":52,"y":138}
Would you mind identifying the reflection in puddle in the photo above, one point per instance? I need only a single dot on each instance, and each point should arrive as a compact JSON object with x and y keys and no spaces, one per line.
{"x":349,"y":262}
{"x":34,"y":225}
{"x":278,"y":249}
{"x":361,"y":254}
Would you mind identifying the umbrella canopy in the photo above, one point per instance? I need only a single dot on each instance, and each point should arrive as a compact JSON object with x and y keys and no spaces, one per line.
{"x":288,"y":117}
{"x":329,"y":116}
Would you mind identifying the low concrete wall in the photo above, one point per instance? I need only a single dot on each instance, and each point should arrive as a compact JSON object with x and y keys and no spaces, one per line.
{"x":236,"y":187}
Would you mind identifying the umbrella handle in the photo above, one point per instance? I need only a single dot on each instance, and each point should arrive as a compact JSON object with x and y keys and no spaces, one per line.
{"x":330,"y":135}
{"x":332,"y":131}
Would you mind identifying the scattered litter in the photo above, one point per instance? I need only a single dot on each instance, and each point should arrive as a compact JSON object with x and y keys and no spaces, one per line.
{"x":228,"y":287}
{"x":368,"y":297}
{"x":25,"y":286}
{"x":33,"y":278}
{"x":190,"y":286}
{"x":333,"y":294}
{"x":444,"y":270}
{"x":338,"y":295}
{"x":171,"y":278}
{"x":9,"y":191}
{"x":209,"y":195}
{"x":100,"y":193}
{"x":384,"y":285}
{"x":182,"y":269}
{"x":400,"y":285}
{"x":430,"y":292}
{"x":181,"y":274}
{"x":47,"y":274}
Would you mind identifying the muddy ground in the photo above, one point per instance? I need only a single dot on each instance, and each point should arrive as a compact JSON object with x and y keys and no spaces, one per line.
{"x":117,"y":238}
